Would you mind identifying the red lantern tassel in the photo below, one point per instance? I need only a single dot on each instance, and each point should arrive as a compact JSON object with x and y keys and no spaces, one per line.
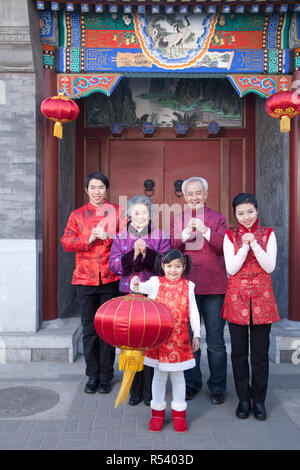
{"x":132,"y":361}
{"x":58,"y":130}
{"x":285,"y":124}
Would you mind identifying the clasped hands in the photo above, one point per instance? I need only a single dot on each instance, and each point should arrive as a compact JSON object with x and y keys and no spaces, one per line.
{"x":98,"y":232}
{"x":140,"y":247}
{"x":195,"y":224}
{"x":248,"y":238}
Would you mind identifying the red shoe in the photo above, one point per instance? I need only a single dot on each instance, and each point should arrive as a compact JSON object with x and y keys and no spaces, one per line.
{"x":179,"y":420}
{"x":157,"y":420}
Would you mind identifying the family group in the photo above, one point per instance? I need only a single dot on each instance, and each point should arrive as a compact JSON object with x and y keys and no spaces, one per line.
{"x":200,"y":270}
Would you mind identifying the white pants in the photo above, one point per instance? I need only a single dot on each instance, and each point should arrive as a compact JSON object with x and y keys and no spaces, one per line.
{"x":159,"y":390}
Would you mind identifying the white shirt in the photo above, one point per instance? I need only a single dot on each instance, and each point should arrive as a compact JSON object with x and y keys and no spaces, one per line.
{"x":151,"y":287}
{"x":266,"y":259}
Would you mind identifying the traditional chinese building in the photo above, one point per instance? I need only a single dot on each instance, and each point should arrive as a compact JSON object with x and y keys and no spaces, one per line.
{"x":166,"y":90}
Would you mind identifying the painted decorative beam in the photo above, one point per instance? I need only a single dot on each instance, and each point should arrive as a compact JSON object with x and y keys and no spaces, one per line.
{"x":262,"y":85}
{"x":79,"y":85}
{"x":197,"y":6}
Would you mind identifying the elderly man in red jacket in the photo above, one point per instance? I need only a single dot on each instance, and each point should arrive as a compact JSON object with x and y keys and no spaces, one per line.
{"x":89,"y":233}
{"x":199,"y":232}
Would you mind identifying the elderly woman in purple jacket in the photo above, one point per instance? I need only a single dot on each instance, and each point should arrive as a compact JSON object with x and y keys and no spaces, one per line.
{"x":134,"y":252}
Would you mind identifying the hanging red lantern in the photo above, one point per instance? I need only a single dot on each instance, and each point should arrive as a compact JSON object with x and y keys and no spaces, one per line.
{"x":283,"y":105}
{"x":133,"y":323}
{"x":61,"y":110}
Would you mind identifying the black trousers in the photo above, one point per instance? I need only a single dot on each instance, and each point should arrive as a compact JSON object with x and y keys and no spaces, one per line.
{"x":142,"y":382}
{"x":99,"y":356}
{"x":259,"y":359}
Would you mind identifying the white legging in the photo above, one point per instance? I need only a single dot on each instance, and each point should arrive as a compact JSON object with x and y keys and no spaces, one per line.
{"x":159,"y":390}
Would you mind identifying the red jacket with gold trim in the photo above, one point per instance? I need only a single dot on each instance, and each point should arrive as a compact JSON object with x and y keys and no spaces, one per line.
{"x":92,"y":258}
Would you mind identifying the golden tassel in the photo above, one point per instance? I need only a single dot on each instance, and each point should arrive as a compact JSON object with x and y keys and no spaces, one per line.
{"x":132,"y":361}
{"x":58,"y":130}
{"x":285,"y":124}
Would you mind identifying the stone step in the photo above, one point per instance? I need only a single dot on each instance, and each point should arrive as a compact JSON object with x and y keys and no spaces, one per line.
{"x":61,"y":341}
{"x":55,"y":341}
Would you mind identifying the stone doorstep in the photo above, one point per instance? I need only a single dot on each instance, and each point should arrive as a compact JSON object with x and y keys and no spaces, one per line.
{"x":56,"y":341}
{"x":202,"y":341}
{"x":285,"y":342}
{"x":61,"y":341}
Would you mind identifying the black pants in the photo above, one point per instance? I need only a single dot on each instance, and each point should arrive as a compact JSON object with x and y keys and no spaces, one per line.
{"x":99,"y":356}
{"x":259,"y":358}
{"x":142,"y":382}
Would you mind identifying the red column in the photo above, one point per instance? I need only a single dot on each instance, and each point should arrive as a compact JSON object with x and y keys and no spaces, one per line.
{"x":294,"y":217}
{"x":49,"y":206}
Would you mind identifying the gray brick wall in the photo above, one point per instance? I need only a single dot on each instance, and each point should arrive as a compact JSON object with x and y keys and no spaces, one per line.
{"x":20,"y":123}
{"x":17,"y":157}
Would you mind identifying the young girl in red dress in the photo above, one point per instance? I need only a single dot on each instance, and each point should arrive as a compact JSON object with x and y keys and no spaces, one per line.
{"x":176,"y":354}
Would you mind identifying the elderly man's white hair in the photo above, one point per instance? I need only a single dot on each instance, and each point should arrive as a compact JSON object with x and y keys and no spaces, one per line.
{"x":195,"y":178}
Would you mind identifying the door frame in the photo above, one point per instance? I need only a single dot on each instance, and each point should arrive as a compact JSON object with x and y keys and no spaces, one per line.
{"x":227,"y":135}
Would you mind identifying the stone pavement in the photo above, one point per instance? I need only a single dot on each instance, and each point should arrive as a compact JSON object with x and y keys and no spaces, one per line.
{"x":90,"y":422}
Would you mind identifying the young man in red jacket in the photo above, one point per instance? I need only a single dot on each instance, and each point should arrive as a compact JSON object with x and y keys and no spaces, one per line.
{"x":199,"y":232}
{"x":89,"y":233}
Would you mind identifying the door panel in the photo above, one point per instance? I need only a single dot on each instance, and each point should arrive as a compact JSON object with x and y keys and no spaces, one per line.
{"x":226,"y":161}
{"x":92,"y":156}
{"x":237,"y":172}
{"x":184,"y":159}
{"x":91,"y":160}
{"x":221,"y":162}
{"x":131,"y":162}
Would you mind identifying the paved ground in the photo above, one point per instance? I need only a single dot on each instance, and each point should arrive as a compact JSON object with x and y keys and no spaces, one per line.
{"x":81,"y":421}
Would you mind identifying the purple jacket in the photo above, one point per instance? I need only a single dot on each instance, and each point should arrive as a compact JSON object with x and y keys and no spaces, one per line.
{"x":121,"y":260}
{"x":208,"y":270}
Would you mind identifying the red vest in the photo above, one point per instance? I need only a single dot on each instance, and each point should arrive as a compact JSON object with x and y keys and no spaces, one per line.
{"x":177,"y":348}
{"x":250,"y":289}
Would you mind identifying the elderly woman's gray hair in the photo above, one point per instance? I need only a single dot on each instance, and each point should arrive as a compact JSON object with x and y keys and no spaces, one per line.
{"x":195,"y":178}
{"x":145,"y":200}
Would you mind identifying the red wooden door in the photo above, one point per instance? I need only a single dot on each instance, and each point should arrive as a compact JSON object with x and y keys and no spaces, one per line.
{"x":131,"y":162}
{"x":226,"y":161}
{"x":184,"y":159}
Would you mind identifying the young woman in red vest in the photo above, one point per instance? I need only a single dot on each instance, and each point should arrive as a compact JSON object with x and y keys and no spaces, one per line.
{"x":249,"y":306}
{"x":176,"y":354}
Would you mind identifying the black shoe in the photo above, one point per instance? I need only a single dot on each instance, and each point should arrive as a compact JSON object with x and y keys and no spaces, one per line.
{"x":259,"y":411}
{"x":243,"y":409}
{"x":147,"y":401}
{"x":104,"y":387}
{"x":133,"y":401}
{"x":217,"y":398}
{"x":91,"y":386}
{"x":190,"y":393}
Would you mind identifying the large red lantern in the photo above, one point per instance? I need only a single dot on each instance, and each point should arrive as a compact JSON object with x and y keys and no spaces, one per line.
{"x":61,"y":110}
{"x":133,"y":323}
{"x":283,"y":105}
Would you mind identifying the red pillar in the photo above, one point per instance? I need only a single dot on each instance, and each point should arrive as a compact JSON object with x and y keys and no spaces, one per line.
{"x":294,"y":217}
{"x":49,"y":206}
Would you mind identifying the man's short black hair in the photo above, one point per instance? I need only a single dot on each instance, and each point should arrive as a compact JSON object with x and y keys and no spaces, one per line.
{"x":244,"y":198}
{"x":97,"y":176}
